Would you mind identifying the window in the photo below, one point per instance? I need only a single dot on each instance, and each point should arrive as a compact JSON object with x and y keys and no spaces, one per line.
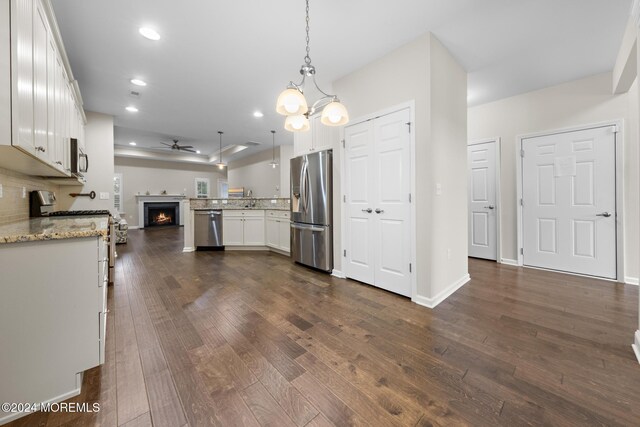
{"x":117,"y":192}
{"x":202,"y":188}
{"x":223,"y":189}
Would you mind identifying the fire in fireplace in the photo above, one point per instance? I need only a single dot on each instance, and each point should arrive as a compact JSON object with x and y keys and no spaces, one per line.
{"x":161,"y":214}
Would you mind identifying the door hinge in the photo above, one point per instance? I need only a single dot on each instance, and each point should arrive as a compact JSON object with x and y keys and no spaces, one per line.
{"x":409,"y":197}
{"x":521,"y":251}
{"x":522,"y":153}
{"x":409,"y":125}
{"x":409,"y":267}
{"x":344,"y":253}
{"x":521,"y":202}
{"x":344,"y":198}
{"x":343,"y":144}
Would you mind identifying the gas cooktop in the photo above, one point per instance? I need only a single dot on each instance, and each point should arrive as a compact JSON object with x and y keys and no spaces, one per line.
{"x":81,"y":213}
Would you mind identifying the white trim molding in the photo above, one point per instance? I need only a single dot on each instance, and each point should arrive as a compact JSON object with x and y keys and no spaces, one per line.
{"x":433,"y":302}
{"x":636,"y":345}
{"x":631,"y":280}
{"x":188,"y":249}
{"x":508,"y":261}
{"x":339,"y":274}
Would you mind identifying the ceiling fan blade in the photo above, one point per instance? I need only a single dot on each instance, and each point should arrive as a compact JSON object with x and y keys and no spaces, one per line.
{"x":188,"y":149}
{"x":186,"y":146}
{"x":168,"y":145}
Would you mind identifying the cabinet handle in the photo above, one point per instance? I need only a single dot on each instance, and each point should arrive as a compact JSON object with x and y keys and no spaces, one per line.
{"x":59,"y":163}
{"x":40,"y":148}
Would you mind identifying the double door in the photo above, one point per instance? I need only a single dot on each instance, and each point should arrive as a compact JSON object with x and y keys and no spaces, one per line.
{"x":377,"y":204}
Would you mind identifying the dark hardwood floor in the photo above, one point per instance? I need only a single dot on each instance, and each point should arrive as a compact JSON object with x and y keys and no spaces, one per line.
{"x":248,"y":338}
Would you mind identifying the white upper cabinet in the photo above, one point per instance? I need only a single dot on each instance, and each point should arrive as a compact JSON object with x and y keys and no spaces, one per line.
{"x":22,"y":74}
{"x":44,"y":108}
{"x":319,"y":137}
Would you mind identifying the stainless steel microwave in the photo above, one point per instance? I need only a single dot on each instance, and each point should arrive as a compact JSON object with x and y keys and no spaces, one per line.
{"x":79,"y":159}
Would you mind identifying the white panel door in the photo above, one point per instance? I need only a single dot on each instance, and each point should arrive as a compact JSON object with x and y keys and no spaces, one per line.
{"x":359,"y":186}
{"x":377,"y":187}
{"x":392,"y":154}
{"x":569,"y":212}
{"x":481,"y":168}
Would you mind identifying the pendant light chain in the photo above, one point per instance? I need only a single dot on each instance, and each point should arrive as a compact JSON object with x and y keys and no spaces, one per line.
{"x":220,"y":153}
{"x":307,"y":58}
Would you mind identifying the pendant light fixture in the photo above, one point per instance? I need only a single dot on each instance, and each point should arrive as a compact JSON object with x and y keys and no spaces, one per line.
{"x":292,"y":103}
{"x":273,"y":163}
{"x":221,"y":165}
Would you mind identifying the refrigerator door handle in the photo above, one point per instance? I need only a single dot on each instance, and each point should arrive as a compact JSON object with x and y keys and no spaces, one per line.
{"x":307,"y":227}
{"x":304,"y":185}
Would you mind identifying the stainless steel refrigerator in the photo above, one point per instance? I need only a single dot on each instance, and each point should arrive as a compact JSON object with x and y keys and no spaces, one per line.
{"x":312,"y":209}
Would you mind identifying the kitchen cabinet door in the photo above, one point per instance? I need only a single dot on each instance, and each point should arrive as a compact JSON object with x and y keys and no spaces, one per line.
{"x":52,"y":54}
{"x":254,"y":231}
{"x":284,"y":235}
{"x":302,"y":142}
{"x":22,"y":74}
{"x":273,"y":232}
{"x":40,"y":104}
{"x":323,"y":136}
{"x":232,"y":230}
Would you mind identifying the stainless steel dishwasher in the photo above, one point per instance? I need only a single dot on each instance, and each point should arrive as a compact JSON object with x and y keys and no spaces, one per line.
{"x":208,"y":229}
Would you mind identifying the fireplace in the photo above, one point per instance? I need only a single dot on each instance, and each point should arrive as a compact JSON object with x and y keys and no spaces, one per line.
{"x":161,"y":214}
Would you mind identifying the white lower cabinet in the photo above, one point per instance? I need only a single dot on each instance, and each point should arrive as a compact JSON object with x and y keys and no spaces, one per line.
{"x":243,"y":227}
{"x":52,"y":317}
{"x":256,"y":228}
{"x":279,"y":230}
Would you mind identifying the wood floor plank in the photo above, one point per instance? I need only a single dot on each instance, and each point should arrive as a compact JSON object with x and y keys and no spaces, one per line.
{"x":264,"y":407}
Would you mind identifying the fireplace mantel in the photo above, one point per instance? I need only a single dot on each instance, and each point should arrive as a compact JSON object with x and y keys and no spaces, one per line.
{"x":155,"y":198}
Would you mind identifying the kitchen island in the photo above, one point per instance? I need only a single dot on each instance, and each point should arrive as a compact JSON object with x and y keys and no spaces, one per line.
{"x":248,"y":223}
{"x":53,"y":296}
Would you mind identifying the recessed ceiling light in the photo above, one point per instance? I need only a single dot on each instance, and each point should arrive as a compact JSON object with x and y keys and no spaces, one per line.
{"x":149,"y":33}
{"x":132,"y":109}
{"x":258,"y":114}
{"x":133,"y":143}
{"x":197,"y":151}
{"x":138,"y":82}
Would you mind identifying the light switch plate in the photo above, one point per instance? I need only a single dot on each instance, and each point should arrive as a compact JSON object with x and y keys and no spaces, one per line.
{"x":224,"y":202}
{"x":24,"y":192}
{"x":273,"y":201}
{"x":104,"y":195}
{"x":215,"y":202}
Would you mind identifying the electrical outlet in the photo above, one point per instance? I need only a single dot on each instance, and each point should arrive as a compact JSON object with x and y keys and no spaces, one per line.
{"x":224,"y":202}
{"x":104,"y":195}
{"x":0,"y":191}
{"x":24,"y":192}
{"x":215,"y":202}
{"x":273,"y":201}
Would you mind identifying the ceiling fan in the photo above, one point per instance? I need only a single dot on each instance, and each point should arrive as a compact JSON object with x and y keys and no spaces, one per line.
{"x":178,"y":147}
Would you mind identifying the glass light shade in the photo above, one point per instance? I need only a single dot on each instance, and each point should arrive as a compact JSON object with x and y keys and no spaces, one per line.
{"x":334,"y":114}
{"x":273,"y":164}
{"x":220,"y":165}
{"x":291,"y":103}
{"x":297,"y":123}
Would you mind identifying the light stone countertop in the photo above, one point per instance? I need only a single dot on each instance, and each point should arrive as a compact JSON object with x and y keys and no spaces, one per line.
{"x":36,"y":229}
{"x":240,"y":208}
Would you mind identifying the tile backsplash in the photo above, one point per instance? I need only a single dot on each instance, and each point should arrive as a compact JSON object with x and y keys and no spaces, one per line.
{"x":13,"y":207}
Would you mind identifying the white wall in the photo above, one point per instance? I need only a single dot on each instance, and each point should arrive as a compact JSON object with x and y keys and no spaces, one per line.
{"x":424,"y":72}
{"x":254,"y":173}
{"x":581,"y":102}
{"x":139,"y":176}
{"x":99,"y":148}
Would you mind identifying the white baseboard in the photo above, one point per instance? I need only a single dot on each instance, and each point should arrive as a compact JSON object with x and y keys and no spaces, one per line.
{"x":636,"y":345}
{"x":15,"y":415}
{"x":134,"y":227}
{"x":188,"y":249}
{"x":631,"y":280}
{"x":433,"y":302}
{"x":339,"y":274}
{"x":508,"y":261}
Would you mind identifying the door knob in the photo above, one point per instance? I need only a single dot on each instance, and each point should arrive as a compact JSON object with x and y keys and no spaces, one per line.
{"x":379,"y":211}
{"x":368,"y":210}
{"x":490,"y":207}
{"x":604,"y":214}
